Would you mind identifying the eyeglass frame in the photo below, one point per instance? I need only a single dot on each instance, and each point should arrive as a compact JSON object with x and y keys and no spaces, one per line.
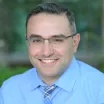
{"x":65,"y":37}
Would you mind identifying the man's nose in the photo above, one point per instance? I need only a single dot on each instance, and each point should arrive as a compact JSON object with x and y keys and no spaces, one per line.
{"x":47,"y":49}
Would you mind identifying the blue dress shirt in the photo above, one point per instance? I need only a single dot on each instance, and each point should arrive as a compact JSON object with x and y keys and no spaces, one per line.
{"x":0,"y":96}
{"x":80,"y":84}
{"x":1,"y":100}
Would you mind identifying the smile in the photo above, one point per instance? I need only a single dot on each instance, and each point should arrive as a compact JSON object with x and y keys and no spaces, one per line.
{"x":48,"y":60}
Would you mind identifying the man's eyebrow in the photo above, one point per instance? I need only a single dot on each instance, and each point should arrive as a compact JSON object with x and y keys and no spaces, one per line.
{"x":38,"y":36}
{"x":58,"y":35}
{"x":34,"y":35}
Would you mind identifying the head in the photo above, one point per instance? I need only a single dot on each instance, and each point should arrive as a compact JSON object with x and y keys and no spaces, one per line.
{"x":48,"y":23}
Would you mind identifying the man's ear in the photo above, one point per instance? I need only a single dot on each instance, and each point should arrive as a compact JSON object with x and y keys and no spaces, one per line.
{"x":76,"y":40}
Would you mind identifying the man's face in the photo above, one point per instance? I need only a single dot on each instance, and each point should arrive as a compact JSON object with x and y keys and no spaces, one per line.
{"x":50,"y":61}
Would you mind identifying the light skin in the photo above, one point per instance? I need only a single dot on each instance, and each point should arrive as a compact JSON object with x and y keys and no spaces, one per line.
{"x":51,"y":62}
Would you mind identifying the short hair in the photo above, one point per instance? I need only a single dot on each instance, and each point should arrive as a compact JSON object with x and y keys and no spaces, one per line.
{"x":53,"y":8}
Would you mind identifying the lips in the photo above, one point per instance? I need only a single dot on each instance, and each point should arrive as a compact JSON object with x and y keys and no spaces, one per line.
{"x":48,"y":61}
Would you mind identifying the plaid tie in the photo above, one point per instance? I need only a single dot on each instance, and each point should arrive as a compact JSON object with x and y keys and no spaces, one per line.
{"x":47,"y":94}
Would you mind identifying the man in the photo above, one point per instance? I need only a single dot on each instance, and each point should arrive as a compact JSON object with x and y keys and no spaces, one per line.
{"x":57,"y":77}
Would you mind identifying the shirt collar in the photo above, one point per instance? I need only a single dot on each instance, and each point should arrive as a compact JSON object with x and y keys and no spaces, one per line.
{"x":35,"y":80}
{"x":68,"y":80}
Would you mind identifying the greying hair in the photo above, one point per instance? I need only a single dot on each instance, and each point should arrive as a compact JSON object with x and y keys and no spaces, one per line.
{"x":53,"y":8}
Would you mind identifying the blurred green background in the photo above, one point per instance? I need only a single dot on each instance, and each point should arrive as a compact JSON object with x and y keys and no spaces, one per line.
{"x":89,"y":16}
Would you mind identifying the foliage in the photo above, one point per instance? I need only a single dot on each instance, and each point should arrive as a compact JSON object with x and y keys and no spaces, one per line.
{"x":12,"y":23}
{"x":101,"y":65}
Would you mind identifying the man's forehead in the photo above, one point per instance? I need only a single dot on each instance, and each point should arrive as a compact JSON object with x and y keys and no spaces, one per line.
{"x":49,"y":16}
{"x":54,"y":35}
{"x":46,"y":26}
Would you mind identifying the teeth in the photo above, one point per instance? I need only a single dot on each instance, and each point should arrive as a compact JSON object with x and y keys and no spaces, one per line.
{"x":47,"y":61}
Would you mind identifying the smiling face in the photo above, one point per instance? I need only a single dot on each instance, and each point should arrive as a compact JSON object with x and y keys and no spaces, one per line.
{"x":51,"y":61}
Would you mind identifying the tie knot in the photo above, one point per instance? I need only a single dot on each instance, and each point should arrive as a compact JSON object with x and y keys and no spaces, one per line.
{"x":48,"y":90}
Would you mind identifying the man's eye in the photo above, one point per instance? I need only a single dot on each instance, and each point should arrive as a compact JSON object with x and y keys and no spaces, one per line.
{"x":58,"y":40}
{"x":36,"y":40}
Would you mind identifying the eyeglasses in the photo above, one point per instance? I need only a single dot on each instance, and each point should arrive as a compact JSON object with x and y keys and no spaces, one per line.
{"x":55,"y":41}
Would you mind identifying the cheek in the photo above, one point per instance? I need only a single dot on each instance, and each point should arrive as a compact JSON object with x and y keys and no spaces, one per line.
{"x":32,"y":51}
{"x":68,"y":51}
{"x":63,"y":51}
{"x":59,"y":51}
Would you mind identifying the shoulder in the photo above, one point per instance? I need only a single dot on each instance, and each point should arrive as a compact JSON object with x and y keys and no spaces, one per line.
{"x":0,"y":97}
{"x":17,"y":80}
{"x":88,"y":70}
{"x":14,"y":88}
{"x":93,"y":81}
{"x":91,"y":76}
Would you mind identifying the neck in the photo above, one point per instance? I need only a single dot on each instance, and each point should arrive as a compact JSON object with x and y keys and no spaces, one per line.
{"x":49,"y":80}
